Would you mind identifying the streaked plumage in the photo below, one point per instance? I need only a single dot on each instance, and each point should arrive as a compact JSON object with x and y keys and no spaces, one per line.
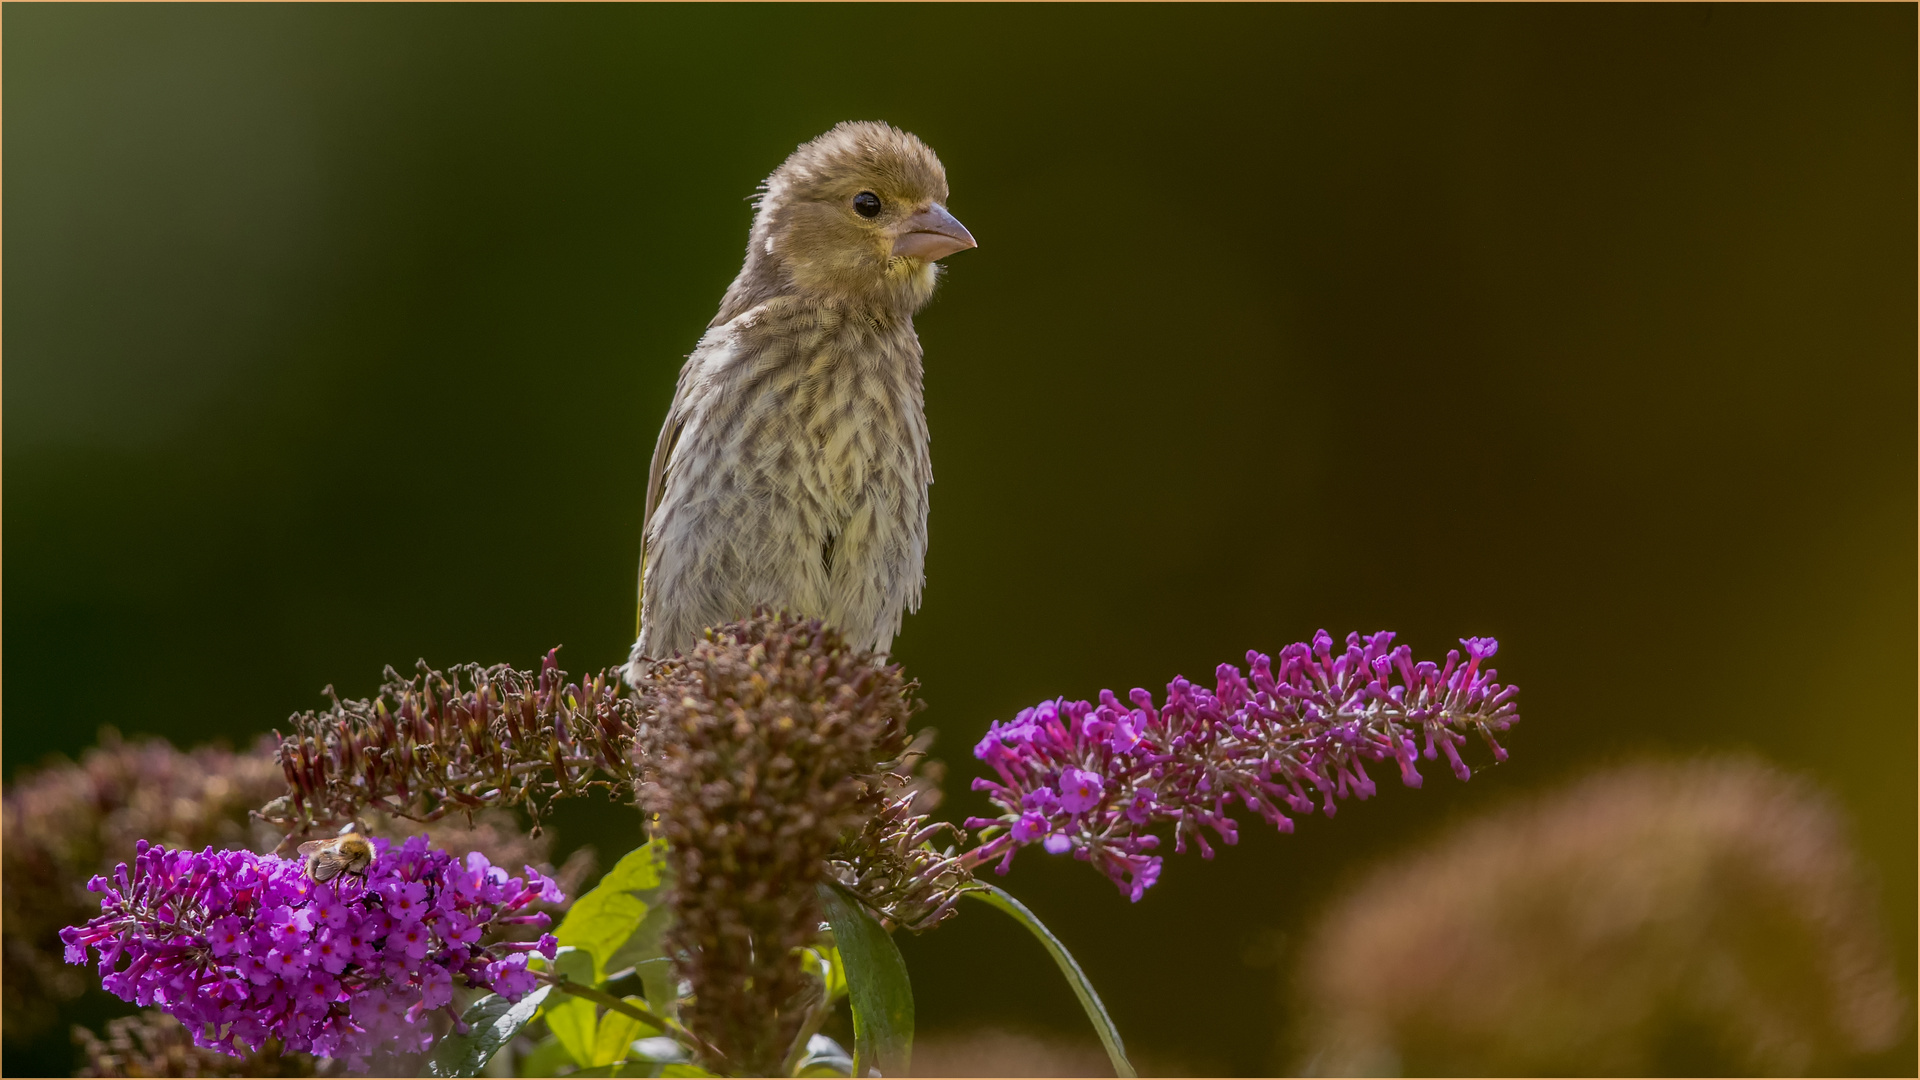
{"x":792,"y":469}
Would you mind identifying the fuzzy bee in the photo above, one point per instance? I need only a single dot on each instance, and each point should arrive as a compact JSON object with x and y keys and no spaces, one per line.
{"x":349,"y":853}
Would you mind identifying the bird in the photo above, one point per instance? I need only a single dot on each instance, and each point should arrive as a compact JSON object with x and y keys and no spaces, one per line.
{"x":792,"y":470}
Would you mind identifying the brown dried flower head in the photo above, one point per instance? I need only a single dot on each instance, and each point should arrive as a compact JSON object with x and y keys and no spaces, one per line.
{"x":468,"y":739}
{"x":67,"y":821}
{"x":891,"y":862}
{"x":766,"y":745}
{"x":152,"y":1043}
{"x":1691,"y":918}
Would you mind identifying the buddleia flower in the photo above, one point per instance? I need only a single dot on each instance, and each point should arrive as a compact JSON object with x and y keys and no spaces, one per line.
{"x":1095,"y":779}
{"x":247,"y":949}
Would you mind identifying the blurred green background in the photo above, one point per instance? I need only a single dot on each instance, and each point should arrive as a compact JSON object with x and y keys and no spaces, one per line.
{"x":339,"y":336}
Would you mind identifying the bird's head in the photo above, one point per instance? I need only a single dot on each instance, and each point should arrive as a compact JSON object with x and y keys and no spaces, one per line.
{"x":858,"y":214}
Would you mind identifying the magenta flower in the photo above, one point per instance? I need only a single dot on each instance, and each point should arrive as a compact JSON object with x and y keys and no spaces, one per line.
{"x":1079,"y":790}
{"x":243,"y":947}
{"x":1030,"y":827}
{"x":1092,"y":779}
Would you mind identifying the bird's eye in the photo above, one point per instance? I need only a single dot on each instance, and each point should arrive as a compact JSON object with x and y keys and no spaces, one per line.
{"x":866,"y":204}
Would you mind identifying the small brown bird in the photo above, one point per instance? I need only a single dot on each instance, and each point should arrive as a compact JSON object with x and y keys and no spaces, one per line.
{"x":792,"y":469}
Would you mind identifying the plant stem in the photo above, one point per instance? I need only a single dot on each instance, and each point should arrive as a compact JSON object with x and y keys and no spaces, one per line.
{"x":646,"y":1016}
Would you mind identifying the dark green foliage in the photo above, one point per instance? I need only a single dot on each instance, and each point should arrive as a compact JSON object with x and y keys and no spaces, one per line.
{"x":492,"y":1022}
{"x":878,"y":989}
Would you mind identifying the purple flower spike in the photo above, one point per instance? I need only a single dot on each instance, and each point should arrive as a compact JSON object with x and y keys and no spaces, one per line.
{"x":242,"y":948}
{"x":1073,"y":775}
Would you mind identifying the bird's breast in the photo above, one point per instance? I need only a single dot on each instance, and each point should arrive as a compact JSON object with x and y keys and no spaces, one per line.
{"x":833,"y":395}
{"x":856,"y":419}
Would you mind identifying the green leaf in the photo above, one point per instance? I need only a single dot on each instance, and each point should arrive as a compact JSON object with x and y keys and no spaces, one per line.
{"x":545,"y":1059}
{"x":623,"y":1068}
{"x":825,"y":961}
{"x":877,"y":985}
{"x":613,"y":1042}
{"x":825,"y":1058}
{"x":684,"y":1070}
{"x":572,"y":1019}
{"x":492,"y":1022}
{"x":661,"y":986}
{"x":643,"y":944}
{"x":1089,"y":1000}
{"x":660,"y":1050}
{"x":619,"y":920}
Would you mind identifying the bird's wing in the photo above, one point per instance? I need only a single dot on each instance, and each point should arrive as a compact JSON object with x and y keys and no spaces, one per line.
{"x":713,"y":349}
{"x":657,"y":483}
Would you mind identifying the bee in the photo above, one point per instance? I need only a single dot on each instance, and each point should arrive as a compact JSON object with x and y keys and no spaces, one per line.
{"x":349,"y":853}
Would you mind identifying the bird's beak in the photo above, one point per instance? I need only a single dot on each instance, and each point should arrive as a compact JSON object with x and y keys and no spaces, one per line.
{"x":932,"y":234}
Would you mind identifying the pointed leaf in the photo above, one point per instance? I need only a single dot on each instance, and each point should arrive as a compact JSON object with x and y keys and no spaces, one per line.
{"x":544,"y":1059}
{"x":643,"y":944}
{"x":492,"y":1022}
{"x":825,"y":1058}
{"x":1089,"y":1000}
{"x":662,"y":988}
{"x":624,"y":906}
{"x":613,"y":1041}
{"x":877,"y":985}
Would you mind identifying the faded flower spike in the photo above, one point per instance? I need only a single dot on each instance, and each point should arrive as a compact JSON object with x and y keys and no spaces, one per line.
{"x":1093,"y":779}
{"x":243,"y":948}
{"x":772,"y":744}
{"x":468,"y":739}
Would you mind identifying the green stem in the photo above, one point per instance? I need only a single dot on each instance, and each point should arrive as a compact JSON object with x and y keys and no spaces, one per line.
{"x":1077,"y":979}
{"x":685,"y":1037}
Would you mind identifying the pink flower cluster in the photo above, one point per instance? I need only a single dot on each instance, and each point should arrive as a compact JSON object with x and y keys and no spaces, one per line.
{"x":1093,"y":779}
{"x":243,"y":947}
